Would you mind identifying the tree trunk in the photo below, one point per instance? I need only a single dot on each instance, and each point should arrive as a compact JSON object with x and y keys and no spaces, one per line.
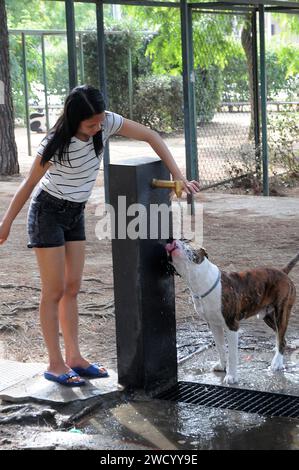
{"x":246,"y":39}
{"x":8,"y":149}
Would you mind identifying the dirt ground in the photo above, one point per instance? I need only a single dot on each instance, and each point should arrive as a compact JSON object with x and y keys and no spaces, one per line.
{"x":234,"y":240}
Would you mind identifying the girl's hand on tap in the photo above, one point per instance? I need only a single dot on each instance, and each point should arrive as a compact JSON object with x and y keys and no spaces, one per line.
{"x":190,"y":187}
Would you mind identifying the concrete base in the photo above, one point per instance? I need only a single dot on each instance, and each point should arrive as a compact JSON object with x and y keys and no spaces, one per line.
{"x":24,"y":382}
{"x":12,"y":372}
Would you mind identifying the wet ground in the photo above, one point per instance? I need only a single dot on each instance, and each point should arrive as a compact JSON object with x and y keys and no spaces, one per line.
{"x":169,"y":426}
{"x":119,"y":421}
{"x":154,"y":425}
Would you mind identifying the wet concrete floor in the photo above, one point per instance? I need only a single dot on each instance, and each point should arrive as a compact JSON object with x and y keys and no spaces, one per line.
{"x":139,"y":422}
{"x":114,"y":420}
{"x":155,"y":424}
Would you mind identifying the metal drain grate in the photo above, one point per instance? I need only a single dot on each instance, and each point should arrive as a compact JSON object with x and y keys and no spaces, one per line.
{"x":250,"y":401}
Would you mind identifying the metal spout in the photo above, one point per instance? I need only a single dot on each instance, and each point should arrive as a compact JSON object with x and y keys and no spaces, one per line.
{"x":176,"y":185}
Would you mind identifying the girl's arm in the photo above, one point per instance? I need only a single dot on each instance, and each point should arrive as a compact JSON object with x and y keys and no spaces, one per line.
{"x":22,"y":195}
{"x":134,"y":130}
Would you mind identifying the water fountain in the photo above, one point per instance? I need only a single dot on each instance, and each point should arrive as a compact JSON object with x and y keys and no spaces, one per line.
{"x":144,"y":293}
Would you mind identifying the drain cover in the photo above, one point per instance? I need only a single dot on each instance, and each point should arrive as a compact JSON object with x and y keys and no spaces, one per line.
{"x":250,"y":401}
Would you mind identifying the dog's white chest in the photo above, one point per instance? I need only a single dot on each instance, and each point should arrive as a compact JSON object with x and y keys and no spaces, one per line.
{"x":206,"y":292}
{"x":209,"y":307}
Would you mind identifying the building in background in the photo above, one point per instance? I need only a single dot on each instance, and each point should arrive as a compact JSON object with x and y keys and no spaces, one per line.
{"x":274,"y":29}
{"x":116,"y":12}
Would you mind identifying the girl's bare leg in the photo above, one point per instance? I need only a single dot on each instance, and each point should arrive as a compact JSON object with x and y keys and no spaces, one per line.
{"x":68,"y":306}
{"x":51,"y":263}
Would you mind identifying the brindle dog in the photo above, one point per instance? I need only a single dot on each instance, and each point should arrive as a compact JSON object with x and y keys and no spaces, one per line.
{"x":224,"y":299}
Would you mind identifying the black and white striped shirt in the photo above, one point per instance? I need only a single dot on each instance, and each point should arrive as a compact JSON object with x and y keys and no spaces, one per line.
{"x":75,"y":182}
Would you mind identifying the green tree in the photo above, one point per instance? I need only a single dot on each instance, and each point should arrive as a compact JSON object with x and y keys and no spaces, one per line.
{"x":216,"y":45}
{"x":8,"y":149}
{"x":119,"y":39}
{"x":210,"y":33}
{"x":212,"y":41}
{"x":48,"y":15}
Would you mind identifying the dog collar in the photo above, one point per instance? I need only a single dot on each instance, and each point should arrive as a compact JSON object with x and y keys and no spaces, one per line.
{"x":197,"y":296}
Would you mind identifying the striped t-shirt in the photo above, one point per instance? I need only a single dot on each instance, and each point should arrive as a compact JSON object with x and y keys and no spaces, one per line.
{"x":75,"y":182}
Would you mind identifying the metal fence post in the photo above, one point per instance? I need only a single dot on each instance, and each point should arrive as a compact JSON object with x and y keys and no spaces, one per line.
{"x":189,"y":99}
{"x":263,"y":100}
{"x":81,"y":59}
{"x":26,"y":93}
{"x":103,"y":84}
{"x":130,"y":82}
{"x":71,"y":42}
{"x":45,"y":81}
{"x":256,"y":104}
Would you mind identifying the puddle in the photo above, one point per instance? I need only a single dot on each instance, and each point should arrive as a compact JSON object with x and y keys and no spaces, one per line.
{"x":163,"y":425}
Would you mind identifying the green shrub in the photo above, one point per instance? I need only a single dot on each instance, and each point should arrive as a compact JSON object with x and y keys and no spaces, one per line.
{"x":157,"y":99}
{"x":158,"y":102}
{"x":208,"y":90}
{"x":283,"y":129}
{"x":235,"y":77}
{"x":117,"y":47}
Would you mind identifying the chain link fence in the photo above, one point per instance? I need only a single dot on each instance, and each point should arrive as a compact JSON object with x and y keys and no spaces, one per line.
{"x":226,"y":144}
{"x":225,"y":149}
{"x":283,"y":94}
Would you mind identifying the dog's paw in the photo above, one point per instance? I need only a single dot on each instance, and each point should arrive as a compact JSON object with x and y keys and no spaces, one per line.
{"x":277,"y":362}
{"x":230,"y":379}
{"x":218,"y":367}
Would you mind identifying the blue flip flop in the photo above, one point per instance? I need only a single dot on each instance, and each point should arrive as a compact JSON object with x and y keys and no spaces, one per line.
{"x":93,"y":371}
{"x":65,"y":379}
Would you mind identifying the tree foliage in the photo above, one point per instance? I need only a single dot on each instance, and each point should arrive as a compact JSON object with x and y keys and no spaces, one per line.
{"x":210,"y":32}
{"x":47,"y":14}
{"x":120,"y":38}
{"x":220,"y":62}
{"x":42,"y":15}
{"x":8,"y":149}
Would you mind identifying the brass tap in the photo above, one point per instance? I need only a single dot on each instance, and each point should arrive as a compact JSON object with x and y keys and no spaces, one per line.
{"x":176,"y":185}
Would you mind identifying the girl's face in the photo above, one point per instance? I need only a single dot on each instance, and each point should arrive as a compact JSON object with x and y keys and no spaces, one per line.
{"x":89,"y":127}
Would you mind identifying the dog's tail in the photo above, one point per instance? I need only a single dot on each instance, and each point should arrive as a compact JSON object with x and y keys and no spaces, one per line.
{"x":291,"y":264}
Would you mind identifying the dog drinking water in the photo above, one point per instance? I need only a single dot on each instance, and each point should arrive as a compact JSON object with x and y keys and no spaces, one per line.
{"x":223,"y":299}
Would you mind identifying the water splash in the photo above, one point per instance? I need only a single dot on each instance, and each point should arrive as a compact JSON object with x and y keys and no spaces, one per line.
{"x":179,"y":201}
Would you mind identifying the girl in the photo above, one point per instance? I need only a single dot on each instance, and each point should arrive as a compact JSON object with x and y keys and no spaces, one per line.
{"x":66,"y":167}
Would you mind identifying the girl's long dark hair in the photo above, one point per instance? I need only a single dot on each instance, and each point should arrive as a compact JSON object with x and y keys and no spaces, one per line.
{"x":82,"y":103}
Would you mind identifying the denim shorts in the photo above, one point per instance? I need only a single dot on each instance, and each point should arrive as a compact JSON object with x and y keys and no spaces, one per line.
{"x":52,"y":222}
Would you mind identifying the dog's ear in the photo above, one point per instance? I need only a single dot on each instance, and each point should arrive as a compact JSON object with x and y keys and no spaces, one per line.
{"x":199,"y":255}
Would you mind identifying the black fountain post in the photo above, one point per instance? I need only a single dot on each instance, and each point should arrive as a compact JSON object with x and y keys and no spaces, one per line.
{"x":143,"y":292}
